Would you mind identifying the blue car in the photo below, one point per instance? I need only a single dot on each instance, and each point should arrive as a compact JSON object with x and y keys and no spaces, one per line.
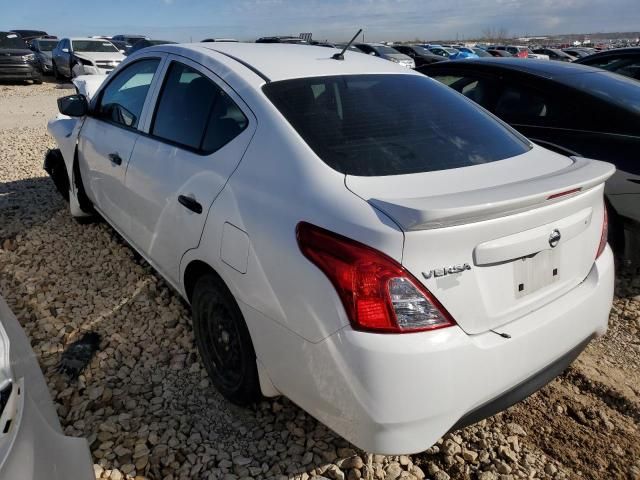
{"x":466,"y":52}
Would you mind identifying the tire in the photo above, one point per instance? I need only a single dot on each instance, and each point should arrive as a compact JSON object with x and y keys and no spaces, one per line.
{"x":57,"y":169}
{"x":224,"y":342}
{"x":56,"y":72}
{"x":37,"y":81}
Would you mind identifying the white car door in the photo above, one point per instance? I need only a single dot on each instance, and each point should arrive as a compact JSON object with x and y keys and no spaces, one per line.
{"x":109,"y":134}
{"x":195,"y":140}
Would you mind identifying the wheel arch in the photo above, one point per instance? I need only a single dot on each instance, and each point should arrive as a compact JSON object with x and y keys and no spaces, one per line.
{"x":194,"y":270}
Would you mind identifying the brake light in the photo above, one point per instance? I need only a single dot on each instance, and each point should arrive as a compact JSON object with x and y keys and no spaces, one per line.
{"x":378,"y":294}
{"x":605,"y":232}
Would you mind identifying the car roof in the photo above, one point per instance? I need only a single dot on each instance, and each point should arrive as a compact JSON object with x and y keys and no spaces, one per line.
{"x":281,"y":61}
{"x":542,"y":68}
{"x":617,"y":51}
{"x":74,"y":39}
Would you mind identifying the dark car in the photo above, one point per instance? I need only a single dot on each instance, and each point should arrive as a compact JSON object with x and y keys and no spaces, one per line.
{"x":42,"y":48}
{"x":17,"y":61}
{"x":576,"y":52}
{"x":554,"y":54}
{"x":420,"y":55}
{"x":129,"y":39}
{"x":281,"y":39}
{"x":28,"y":35}
{"x":147,"y":43}
{"x":625,"y":61}
{"x":499,"y":53}
{"x":572,"y":109}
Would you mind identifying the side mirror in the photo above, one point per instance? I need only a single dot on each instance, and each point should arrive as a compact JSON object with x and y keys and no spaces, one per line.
{"x":372,"y":53}
{"x":73,"y":105}
{"x":121,"y":51}
{"x":65,"y":50}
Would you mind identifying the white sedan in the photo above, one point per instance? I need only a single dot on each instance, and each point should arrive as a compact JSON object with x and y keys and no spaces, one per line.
{"x":349,"y":233}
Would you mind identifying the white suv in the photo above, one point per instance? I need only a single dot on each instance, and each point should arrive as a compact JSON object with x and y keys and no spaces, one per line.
{"x":349,"y":233}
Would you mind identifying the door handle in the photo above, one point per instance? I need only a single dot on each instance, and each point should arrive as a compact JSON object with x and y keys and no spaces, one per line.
{"x":190,"y":203}
{"x":115,"y":158}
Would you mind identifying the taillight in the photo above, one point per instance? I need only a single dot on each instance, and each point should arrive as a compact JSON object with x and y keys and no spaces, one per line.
{"x":378,"y":294}
{"x":605,"y":233}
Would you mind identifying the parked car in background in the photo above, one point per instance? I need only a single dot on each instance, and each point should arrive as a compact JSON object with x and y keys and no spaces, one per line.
{"x":446,"y":52}
{"x":572,"y":109}
{"x":123,"y":47}
{"x":481,"y":52}
{"x":206,"y":40}
{"x":129,"y":39}
{"x":576,"y":52}
{"x":32,"y":443}
{"x":84,"y":56}
{"x":499,"y":53}
{"x":624,"y":61}
{"x":466,"y":52}
{"x":17,"y":61}
{"x":337,"y":222}
{"x":386,"y":52}
{"x":515,"y":50}
{"x":421,"y":56}
{"x":281,"y":39}
{"x":554,"y":54}
{"x":148,"y":43}
{"x":28,"y":35}
{"x":43,"y":48}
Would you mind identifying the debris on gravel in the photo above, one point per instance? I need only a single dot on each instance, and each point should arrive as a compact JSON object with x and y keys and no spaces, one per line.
{"x":148,"y":410}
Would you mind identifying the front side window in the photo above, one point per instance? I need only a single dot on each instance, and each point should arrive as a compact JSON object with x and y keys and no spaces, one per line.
{"x":195,"y":113}
{"x":122,"y":100}
{"x":46,"y":45}
{"x":375,"y":125}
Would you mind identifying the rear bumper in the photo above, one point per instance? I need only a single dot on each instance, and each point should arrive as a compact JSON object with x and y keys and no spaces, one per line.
{"x":34,"y":446}
{"x":400,"y":393}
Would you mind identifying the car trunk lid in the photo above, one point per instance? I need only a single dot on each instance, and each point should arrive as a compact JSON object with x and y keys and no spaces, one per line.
{"x":484,"y":239}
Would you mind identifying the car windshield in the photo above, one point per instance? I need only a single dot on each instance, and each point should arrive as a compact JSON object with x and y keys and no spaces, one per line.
{"x":376,"y":125}
{"x":611,"y":87}
{"x":450,"y":51}
{"x":481,"y":53}
{"x":11,"y":40}
{"x":46,"y":45}
{"x":93,"y":46}
{"x":384,"y":49}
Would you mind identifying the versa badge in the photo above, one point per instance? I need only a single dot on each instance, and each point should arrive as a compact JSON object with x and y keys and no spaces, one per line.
{"x":441,"y":272}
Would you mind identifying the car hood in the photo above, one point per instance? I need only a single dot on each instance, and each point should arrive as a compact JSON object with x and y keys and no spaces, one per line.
{"x":94,"y":56}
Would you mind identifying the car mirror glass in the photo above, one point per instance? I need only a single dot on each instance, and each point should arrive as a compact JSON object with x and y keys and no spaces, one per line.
{"x":73,"y":105}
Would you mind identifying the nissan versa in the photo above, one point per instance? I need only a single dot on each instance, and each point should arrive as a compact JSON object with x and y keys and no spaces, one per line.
{"x":349,"y":233}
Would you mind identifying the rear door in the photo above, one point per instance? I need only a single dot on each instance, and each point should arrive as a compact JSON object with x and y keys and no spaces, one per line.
{"x":198,"y":133}
{"x":109,"y":135}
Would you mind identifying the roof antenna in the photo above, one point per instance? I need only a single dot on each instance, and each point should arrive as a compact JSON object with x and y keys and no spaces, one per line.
{"x":340,"y":56}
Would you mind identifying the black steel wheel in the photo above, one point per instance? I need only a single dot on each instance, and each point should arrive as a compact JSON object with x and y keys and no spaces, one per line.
{"x":224,"y":342}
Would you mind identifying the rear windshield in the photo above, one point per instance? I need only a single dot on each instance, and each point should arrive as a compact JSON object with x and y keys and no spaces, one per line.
{"x":11,"y":40}
{"x":375,"y":125}
{"x":93,"y":46}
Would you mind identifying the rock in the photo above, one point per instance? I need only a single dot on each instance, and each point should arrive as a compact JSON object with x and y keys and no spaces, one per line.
{"x":469,"y":456}
{"x":404,"y":460}
{"x":503,"y":468}
{"x":392,"y":471}
{"x":550,"y":469}
{"x":441,"y":475}
{"x":354,"y":475}
{"x":116,"y":475}
{"x":352,"y":462}
{"x":417,"y":472}
{"x":516,"y":429}
{"x":488,"y":476}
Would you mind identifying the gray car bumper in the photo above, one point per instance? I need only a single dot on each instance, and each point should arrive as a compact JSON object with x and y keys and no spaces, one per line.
{"x":32,"y":445}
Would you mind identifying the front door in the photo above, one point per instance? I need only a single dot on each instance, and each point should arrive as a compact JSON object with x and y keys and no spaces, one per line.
{"x":196,"y":139}
{"x":109,"y":135}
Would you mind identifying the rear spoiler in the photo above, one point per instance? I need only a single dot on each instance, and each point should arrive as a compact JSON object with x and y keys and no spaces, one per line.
{"x":439,"y":211}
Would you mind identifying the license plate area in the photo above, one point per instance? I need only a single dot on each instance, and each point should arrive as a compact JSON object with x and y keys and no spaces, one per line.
{"x":535,"y":272}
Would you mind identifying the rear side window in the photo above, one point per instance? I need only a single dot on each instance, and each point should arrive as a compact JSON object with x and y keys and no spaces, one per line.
{"x":123,"y":98}
{"x":194,"y":113}
{"x":376,"y":125}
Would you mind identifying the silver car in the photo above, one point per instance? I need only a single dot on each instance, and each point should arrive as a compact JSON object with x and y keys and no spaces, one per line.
{"x":32,"y":444}
{"x":386,"y":52}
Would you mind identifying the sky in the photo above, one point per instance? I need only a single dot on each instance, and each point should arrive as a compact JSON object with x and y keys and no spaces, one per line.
{"x":334,"y":20}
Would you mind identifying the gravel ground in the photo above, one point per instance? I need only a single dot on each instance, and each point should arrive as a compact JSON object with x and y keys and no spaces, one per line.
{"x":148,"y":410}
